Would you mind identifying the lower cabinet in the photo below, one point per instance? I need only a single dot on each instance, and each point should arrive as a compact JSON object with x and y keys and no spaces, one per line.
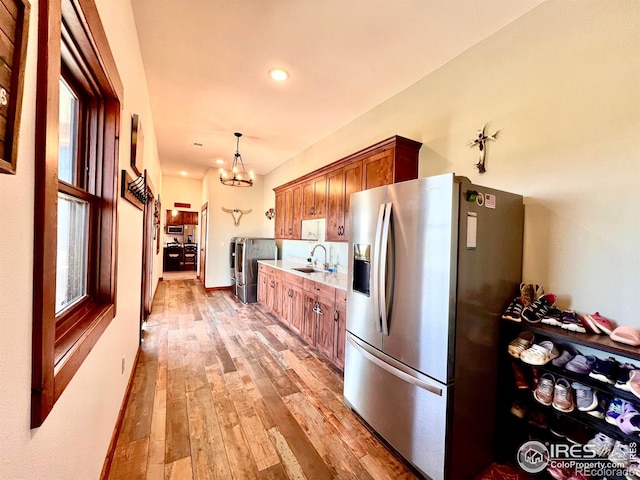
{"x":314,"y":311}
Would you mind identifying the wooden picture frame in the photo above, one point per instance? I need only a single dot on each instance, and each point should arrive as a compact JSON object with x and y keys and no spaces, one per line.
{"x":137,"y":144}
{"x":14,"y":30}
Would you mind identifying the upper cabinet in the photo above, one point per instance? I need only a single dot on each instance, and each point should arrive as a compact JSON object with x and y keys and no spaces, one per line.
{"x":325,"y":193}
{"x":314,"y":197}
{"x":182,"y":217}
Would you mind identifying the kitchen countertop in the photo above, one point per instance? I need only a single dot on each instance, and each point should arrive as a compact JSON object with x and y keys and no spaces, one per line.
{"x":336,"y":280}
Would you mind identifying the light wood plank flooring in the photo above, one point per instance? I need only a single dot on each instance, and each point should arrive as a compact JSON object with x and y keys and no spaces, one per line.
{"x":223,"y":391}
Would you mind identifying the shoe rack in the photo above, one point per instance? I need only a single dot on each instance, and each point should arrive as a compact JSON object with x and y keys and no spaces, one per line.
{"x":514,"y":431}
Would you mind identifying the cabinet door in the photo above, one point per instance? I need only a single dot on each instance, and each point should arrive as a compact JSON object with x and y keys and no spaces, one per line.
{"x":335,"y":205}
{"x":340,"y":324}
{"x":352,"y":179}
{"x":378,"y":170}
{"x":307,"y":200}
{"x":277,"y":295}
{"x":308,"y":332}
{"x":288,"y":213}
{"x":296,"y":217}
{"x":262,"y":288}
{"x":320,"y":196}
{"x":325,"y":336}
{"x":297,"y":309}
{"x":280,"y":216}
{"x":285,"y":308}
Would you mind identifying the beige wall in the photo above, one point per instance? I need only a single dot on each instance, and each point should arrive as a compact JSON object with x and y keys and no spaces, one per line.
{"x":72,"y":442}
{"x":221,"y":225}
{"x":562,"y":84}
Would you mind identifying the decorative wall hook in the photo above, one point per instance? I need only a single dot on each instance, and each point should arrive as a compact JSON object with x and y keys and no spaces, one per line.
{"x":481,"y":142}
{"x":236,"y":213}
{"x":137,"y":192}
{"x":270,"y":213}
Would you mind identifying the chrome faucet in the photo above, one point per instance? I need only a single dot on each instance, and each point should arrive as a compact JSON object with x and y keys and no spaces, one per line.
{"x":325,"y":265}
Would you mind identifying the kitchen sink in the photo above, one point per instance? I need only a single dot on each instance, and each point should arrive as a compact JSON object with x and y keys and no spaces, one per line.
{"x":305,"y":270}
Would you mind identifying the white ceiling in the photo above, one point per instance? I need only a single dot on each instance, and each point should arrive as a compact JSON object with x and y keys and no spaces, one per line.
{"x":207,"y":64}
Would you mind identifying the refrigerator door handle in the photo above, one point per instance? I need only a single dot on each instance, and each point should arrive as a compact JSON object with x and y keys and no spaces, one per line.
{"x":382,"y":270}
{"x":365,"y":352}
{"x":376,"y":265}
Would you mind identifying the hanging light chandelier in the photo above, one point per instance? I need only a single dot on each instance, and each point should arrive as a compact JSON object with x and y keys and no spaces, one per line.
{"x":237,"y":176}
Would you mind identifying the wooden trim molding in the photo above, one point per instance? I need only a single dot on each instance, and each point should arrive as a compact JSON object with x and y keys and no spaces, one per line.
{"x":216,"y":289}
{"x":111,"y":451}
{"x":87,"y":49}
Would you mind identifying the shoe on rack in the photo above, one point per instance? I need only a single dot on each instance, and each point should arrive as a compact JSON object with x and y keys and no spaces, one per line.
{"x":538,"y":419}
{"x":605,"y":370}
{"x":633,"y":384}
{"x":514,"y":310}
{"x":627,"y":335}
{"x":538,"y":309}
{"x":601,"y":445}
{"x":579,"y":434}
{"x":530,"y":292}
{"x":586,"y":397}
{"x":544,"y":391}
{"x":616,"y":405}
{"x":521,"y":380}
{"x":565,"y":357}
{"x":520,"y":344}
{"x":553,"y":317}
{"x":571,"y":321}
{"x":621,"y":454}
{"x":519,"y":409}
{"x":563,"y":396}
{"x":629,"y":420}
{"x":598,"y":323}
{"x":624,"y":375}
{"x":581,"y":364}
{"x":603,"y":405}
{"x":560,"y":426}
{"x":540,"y":353}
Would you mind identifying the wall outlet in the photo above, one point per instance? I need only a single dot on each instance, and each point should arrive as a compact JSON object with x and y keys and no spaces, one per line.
{"x":122,"y":372}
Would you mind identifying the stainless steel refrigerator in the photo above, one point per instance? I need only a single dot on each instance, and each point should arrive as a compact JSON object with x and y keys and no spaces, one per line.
{"x":248,"y":252}
{"x":433,"y":264}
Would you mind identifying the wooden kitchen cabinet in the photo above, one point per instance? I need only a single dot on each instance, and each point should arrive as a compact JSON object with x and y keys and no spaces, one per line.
{"x":288,"y":213}
{"x":325,"y":326}
{"x":269,"y":289}
{"x":340,"y":324}
{"x":341,"y":183}
{"x":324,"y":193}
{"x":292,"y":302}
{"x":314,"y":197}
{"x":181,"y":217}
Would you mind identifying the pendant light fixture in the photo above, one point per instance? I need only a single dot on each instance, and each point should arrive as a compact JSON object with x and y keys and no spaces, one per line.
{"x":237,"y":176}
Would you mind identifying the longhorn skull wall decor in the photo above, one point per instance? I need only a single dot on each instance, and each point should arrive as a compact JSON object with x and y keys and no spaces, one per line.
{"x":236,"y":213}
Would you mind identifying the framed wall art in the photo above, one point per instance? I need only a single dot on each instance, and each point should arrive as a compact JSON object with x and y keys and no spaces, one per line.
{"x":14,"y":29}
{"x":137,"y":144}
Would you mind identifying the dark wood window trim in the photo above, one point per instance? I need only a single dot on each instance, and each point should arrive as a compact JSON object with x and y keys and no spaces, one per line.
{"x":60,"y":345}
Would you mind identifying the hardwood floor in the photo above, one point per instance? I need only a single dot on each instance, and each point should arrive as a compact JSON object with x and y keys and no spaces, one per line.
{"x":223,"y":391}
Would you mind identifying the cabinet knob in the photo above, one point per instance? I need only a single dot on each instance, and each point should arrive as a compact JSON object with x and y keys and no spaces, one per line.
{"x":336,"y":315}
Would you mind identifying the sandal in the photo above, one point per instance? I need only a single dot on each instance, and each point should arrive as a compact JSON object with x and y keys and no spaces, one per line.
{"x":540,"y":354}
{"x":520,"y":344}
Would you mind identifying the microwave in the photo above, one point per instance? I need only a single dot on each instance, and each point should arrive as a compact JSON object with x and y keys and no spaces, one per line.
{"x":175,"y":229}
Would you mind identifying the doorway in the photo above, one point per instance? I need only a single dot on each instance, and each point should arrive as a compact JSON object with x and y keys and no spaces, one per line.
{"x":204,"y":229}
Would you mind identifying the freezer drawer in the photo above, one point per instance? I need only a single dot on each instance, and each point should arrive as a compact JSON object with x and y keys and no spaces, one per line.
{"x":406,"y":408}
{"x":247,"y":293}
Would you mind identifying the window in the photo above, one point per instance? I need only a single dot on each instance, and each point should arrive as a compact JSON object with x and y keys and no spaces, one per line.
{"x":77,"y":125}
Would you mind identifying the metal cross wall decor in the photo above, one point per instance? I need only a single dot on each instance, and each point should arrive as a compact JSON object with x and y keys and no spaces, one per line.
{"x":236,"y":213}
{"x":480,"y":141}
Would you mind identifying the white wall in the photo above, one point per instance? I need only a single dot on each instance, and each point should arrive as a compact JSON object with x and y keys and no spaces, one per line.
{"x":562,"y":86}
{"x":83,"y":418}
{"x":221,"y":224}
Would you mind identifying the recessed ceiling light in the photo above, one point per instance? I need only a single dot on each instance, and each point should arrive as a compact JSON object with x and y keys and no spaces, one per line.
{"x":184,"y":174}
{"x":278,"y":74}
{"x":219,"y":161}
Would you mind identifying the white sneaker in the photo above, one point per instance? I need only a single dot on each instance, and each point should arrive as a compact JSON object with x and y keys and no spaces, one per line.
{"x":601,"y":444}
{"x":620,"y":455}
